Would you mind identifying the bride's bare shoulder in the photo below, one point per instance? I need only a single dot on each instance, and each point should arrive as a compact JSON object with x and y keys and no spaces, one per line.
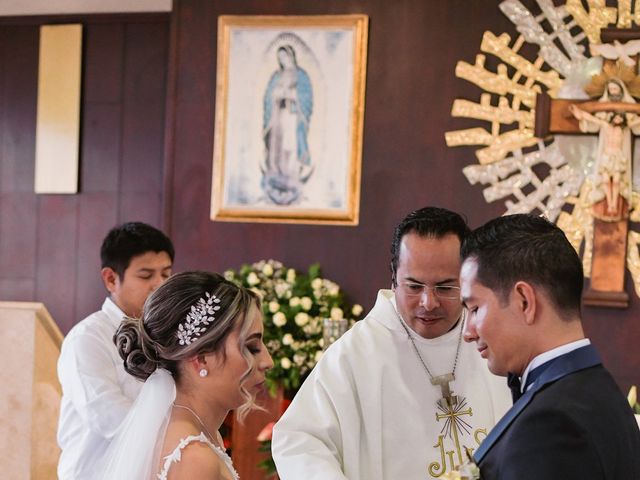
{"x":198,"y":460}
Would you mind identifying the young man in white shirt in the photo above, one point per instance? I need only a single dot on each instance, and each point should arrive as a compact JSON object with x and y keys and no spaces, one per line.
{"x":97,"y":392}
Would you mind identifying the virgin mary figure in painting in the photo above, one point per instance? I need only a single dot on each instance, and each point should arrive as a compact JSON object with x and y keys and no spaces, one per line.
{"x":288,"y":105}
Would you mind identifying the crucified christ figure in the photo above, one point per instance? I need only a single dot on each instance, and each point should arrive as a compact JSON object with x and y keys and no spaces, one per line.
{"x":612,"y":168}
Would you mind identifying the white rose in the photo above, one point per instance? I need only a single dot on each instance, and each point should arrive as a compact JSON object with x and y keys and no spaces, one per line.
{"x":285,"y":363}
{"x":321,"y":342}
{"x":299,"y":359}
{"x":336,"y":313}
{"x":287,"y":339}
{"x":279,"y":319}
{"x":274,"y":306}
{"x":295,"y":345}
{"x":306,"y":303}
{"x":356,"y":310}
{"x":291,"y":275}
{"x":301,"y":319}
{"x":267,"y":269}
{"x":294,"y":301}
{"x":318,"y":355}
{"x":316,"y":283}
{"x":334,"y":290}
{"x":281,"y":288}
{"x":252,"y":279}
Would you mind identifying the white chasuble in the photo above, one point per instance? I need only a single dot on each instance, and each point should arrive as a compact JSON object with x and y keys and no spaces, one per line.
{"x":368,"y":410}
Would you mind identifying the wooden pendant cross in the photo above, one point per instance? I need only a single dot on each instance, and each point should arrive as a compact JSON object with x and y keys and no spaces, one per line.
{"x":448,"y":398}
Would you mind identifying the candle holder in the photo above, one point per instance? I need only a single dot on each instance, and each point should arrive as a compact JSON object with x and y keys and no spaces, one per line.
{"x":332,"y":330}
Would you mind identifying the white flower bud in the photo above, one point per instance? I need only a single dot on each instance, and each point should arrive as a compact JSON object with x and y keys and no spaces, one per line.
{"x":252,"y":279}
{"x":279,"y":319}
{"x":281,"y":289}
{"x":291,"y":275}
{"x":301,"y":319}
{"x":285,"y":363}
{"x":356,"y":310}
{"x":337,"y":313}
{"x":299,"y":359}
{"x":287,"y":339}
{"x":316,"y":283}
{"x":294,"y":301}
{"x":267,"y":269}
{"x":318,"y":355}
{"x":274,"y":306}
{"x":229,"y":275}
{"x":306,"y":303}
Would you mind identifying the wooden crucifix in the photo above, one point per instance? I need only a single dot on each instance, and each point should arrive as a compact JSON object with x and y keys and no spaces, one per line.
{"x":615,"y":116}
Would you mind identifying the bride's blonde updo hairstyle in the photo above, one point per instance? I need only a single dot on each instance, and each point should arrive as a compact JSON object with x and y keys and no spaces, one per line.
{"x":152,"y":341}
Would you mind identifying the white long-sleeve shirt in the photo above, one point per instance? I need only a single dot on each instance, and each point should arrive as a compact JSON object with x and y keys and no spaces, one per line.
{"x":97,"y":392}
{"x":369,"y":411}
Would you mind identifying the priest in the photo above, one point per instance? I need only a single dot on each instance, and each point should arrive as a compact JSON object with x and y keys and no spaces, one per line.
{"x":521,"y":282}
{"x":401,"y":395}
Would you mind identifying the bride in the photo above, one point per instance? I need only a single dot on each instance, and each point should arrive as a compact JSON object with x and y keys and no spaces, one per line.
{"x":199,"y":347}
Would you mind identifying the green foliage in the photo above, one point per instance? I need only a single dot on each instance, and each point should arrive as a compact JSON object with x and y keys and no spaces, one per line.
{"x":294,"y":306}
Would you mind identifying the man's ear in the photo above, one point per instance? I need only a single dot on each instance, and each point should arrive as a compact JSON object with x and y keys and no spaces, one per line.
{"x":109,"y":278}
{"x":524,"y":296}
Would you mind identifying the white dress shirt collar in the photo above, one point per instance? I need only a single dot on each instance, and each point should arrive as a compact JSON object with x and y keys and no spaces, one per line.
{"x":550,"y":355}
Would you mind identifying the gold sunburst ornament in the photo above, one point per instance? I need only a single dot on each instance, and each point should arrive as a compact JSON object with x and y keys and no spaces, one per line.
{"x":562,"y":127}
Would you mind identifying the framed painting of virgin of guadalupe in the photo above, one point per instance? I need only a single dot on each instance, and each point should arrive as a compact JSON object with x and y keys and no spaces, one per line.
{"x":289,"y":118}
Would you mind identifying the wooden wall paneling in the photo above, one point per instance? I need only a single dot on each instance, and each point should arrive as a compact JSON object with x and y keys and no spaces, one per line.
{"x":144,"y":85}
{"x":3,"y":118}
{"x":18,"y":58}
{"x":57,"y":256}
{"x":101,"y":147}
{"x":17,"y":289}
{"x":169,"y":125}
{"x":103,"y":63}
{"x":18,"y":236}
{"x":102,"y":108}
{"x":19,"y":102}
{"x":140,"y":207}
{"x":97,"y":214}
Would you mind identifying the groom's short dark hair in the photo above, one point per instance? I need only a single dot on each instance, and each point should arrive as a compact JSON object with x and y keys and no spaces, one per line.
{"x":529,"y":248}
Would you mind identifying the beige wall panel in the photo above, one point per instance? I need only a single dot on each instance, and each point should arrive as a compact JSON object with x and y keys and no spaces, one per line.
{"x":30,"y":392}
{"x":58,"y":121}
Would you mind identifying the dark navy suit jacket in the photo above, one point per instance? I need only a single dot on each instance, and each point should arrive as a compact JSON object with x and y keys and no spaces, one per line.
{"x":579,"y":426}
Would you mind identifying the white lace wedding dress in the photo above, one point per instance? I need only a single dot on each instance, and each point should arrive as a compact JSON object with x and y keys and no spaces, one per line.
{"x":176,"y":455}
{"x":134,"y":453}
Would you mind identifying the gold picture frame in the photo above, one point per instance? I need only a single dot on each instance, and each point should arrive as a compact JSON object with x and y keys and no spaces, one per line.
{"x":289,"y":118}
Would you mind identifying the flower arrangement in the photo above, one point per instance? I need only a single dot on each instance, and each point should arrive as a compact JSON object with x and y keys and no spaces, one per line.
{"x":294,"y":306}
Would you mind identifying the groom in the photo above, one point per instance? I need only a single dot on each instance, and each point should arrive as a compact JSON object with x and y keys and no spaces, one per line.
{"x":522,"y":281}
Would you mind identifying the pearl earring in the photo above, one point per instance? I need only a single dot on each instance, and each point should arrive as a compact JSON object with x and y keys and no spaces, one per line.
{"x":204,"y":372}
